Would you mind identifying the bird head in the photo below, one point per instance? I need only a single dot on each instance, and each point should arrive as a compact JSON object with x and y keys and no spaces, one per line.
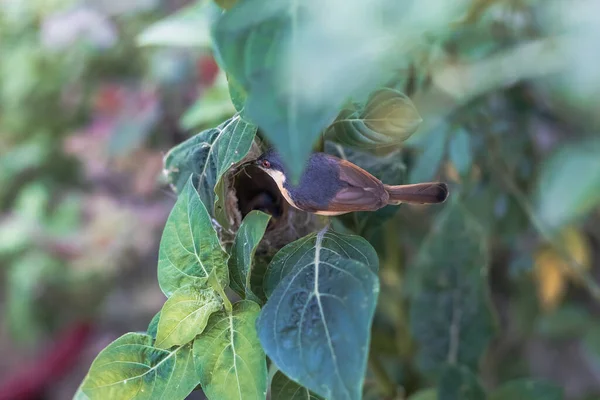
{"x":270,"y":161}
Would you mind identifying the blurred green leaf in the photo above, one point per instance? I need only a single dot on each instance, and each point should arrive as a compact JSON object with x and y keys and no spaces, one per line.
{"x":189,"y":27}
{"x":207,"y":156}
{"x":228,"y":357}
{"x":591,"y":343}
{"x":299,"y":67}
{"x":425,"y":394}
{"x":459,"y":151}
{"x":527,"y":389}
{"x":131,"y":368}
{"x":429,"y":161}
{"x":388,"y":118}
{"x":561,"y":198}
{"x":189,"y":249}
{"x":185,"y":315}
{"x":322,"y":306}
{"x":457,"y":382}
{"x":450,"y":311}
{"x":390,"y":169}
{"x":568,"y":321}
{"x":344,"y":246}
{"x":27,"y":276}
{"x":283,"y":388}
{"x":244,"y":246}
{"x":214,"y":105}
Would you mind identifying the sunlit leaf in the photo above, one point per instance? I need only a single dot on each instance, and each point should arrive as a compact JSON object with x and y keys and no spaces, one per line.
{"x":459,"y":383}
{"x":244,"y":246}
{"x":450,"y":314}
{"x":552,"y":271}
{"x":189,"y":248}
{"x":322,"y":306}
{"x":390,"y":169}
{"x":207,"y":156}
{"x":569,"y":185}
{"x":345,"y":246}
{"x":185,"y":315}
{"x":130,"y":368}
{"x":388,"y":118}
{"x":228,"y":357}
{"x":189,"y":27}
{"x":527,"y":389}
{"x":283,"y":388}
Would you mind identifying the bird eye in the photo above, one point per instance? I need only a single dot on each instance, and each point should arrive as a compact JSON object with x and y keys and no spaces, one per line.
{"x":266,"y":164}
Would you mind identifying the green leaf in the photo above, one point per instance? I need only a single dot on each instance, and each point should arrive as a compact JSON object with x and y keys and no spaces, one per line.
{"x":450,"y":313}
{"x":388,"y":118}
{"x":591,"y":343}
{"x":296,"y":253}
{"x":214,"y":105}
{"x":390,"y":169}
{"x":568,"y":321}
{"x":230,"y":361}
{"x":153,"y":325}
{"x":130,"y":368}
{"x":459,"y":383}
{"x":459,"y":150}
{"x":428,"y":163}
{"x":207,"y":156}
{"x":241,"y":260}
{"x":189,"y":248}
{"x":527,"y":389}
{"x":298,"y":67}
{"x":189,"y":27}
{"x":561,"y":198}
{"x":283,"y":388}
{"x":322,"y":308}
{"x":238,"y":95}
{"x":185,"y":315}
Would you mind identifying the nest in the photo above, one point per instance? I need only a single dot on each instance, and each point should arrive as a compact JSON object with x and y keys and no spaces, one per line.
{"x":249,"y":188}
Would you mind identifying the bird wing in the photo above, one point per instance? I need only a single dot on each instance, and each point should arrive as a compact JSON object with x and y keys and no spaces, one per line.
{"x":362,"y":191}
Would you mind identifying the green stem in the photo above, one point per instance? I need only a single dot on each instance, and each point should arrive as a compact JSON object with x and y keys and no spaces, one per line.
{"x":214,"y":283}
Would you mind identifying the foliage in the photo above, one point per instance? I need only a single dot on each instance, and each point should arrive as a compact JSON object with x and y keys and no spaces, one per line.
{"x":426,"y":302}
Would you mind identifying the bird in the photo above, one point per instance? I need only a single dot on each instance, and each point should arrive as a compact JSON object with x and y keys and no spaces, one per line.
{"x":332,"y":186}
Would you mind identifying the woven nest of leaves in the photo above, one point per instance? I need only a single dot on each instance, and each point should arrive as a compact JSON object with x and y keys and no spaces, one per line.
{"x":249,"y":188}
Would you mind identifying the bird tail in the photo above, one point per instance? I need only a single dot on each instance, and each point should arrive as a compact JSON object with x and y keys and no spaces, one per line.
{"x":420,"y":193}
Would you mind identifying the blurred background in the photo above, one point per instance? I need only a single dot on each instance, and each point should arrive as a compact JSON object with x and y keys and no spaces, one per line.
{"x":93,"y":93}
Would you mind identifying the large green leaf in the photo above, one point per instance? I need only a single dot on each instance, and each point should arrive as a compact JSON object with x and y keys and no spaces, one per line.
{"x":457,"y":382}
{"x":459,"y":151}
{"x":189,"y":248}
{"x":527,"y":389}
{"x":303,"y":250}
{"x":207,"y":156}
{"x":316,"y":324}
{"x":298,"y":66}
{"x":130,"y":368}
{"x":450,"y":313}
{"x":390,"y":169}
{"x":569,"y":185}
{"x":189,"y":27}
{"x":185,"y":315}
{"x":230,"y":361}
{"x":283,"y":388}
{"x":241,"y":260}
{"x":152,"y":329}
{"x":388,"y":118}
